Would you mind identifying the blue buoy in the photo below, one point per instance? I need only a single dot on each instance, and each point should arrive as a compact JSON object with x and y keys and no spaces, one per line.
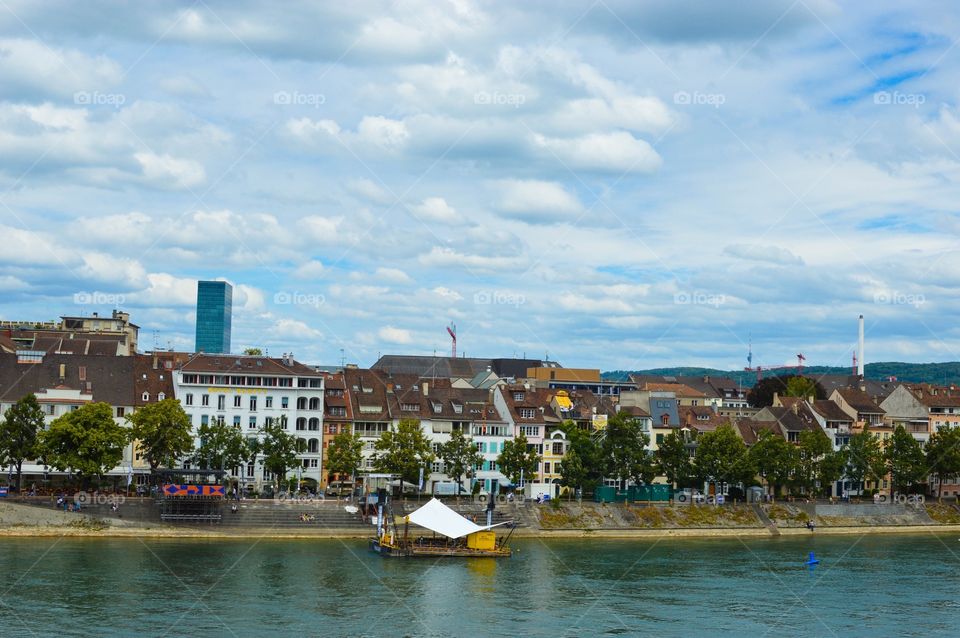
{"x":812,"y":560}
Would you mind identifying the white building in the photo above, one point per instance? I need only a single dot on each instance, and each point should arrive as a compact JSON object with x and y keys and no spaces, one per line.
{"x":250,"y":392}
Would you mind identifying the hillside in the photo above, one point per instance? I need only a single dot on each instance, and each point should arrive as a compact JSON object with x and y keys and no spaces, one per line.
{"x":939,"y":373}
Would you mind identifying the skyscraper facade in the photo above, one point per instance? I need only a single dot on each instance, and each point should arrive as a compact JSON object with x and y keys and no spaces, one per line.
{"x":214,"y":312}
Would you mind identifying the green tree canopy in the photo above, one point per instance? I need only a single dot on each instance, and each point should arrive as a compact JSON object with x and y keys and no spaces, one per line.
{"x":86,"y":441}
{"x":814,"y":446}
{"x":943,"y":455}
{"x":461,"y":456}
{"x":802,"y":387}
{"x":721,"y":457}
{"x":673,"y":459}
{"x":582,"y":465}
{"x":624,"y":448}
{"x":222,"y":446}
{"x":19,"y":434}
{"x":865,"y":460}
{"x":344,"y":454}
{"x":516,"y":459}
{"x":162,"y":431}
{"x":776,"y":460}
{"x":279,"y":450}
{"x":403,"y":451}
{"x":761,"y":394}
{"x":255,"y":352}
{"x":905,"y":460}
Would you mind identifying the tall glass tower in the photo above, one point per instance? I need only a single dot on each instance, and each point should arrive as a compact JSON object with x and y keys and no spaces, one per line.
{"x":214,"y":312}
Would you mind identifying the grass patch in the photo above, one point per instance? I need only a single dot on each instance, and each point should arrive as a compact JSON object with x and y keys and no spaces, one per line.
{"x":782,"y":513}
{"x":943,"y":514}
{"x":561,"y":519}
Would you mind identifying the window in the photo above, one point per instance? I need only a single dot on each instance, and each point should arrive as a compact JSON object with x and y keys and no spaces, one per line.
{"x":660,"y":439}
{"x":546,"y":468}
{"x":146,"y":396}
{"x":302,"y":403}
{"x":301,"y":424}
{"x":338,"y":411}
{"x":409,"y":407}
{"x":331,"y":429}
{"x":221,"y":402}
{"x":518,"y":396}
{"x":204,"y":419}
{"x":268,"y":421}
{"x":236,"y":401}
{"x":665,"y":419}
{"x":268,"y":402}
{"x":315,"y":403}
{"x":284,"y":402}
{"x":119,"y":412}
{"x":529,"y":430}
{"x":558,"y":448}
{"x":236,"y":421}
{"x":314,"y":424}
{"x":161,"y":396}
{"x":189,"y":399}
{"x":253,"y":404}
{"x":205,"y":400}
{"x":527,"y":413}
{"x":51,"y":409}
{"x":253,"y":423}
{"x":250,"y":470}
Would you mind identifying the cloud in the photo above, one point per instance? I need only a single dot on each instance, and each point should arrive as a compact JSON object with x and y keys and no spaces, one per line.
{"x":393,"y":335}
{"x":165,"y":170}
{"x":288,"y":330}
{"x":617,"y":152}
{"x":32,"y":69}
{"x":370,"y":191}
{"x":536,"y":200}
{"x":312,"y":269}
{"x":765,"y":253}
{"x":393,"y":275}
{"x":435,"y":209}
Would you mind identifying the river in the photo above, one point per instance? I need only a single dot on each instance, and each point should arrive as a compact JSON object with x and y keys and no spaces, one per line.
{"x":864,"y":586}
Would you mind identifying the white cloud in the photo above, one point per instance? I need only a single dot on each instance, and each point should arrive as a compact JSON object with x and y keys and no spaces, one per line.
{"x":369,"y":190}
{"x":393,"y":335}
{"x":383,"y":132}
{"x":536,"y":200}
{"x":393,"y":275}
{"x":435,"y":209}
{"x":312,"y":269}
{"x":31,"y":67}
{"x":617,"y":152}
{"x":165,"y":170}
{"x":767,"y":253}
{"x":287,"y":330}
{"x":446,"y":293}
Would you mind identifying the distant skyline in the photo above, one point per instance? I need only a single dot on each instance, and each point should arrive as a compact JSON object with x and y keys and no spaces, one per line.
{"x":617,"y":184}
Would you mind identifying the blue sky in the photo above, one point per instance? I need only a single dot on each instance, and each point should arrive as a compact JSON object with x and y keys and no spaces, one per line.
{"x":618,"y":184}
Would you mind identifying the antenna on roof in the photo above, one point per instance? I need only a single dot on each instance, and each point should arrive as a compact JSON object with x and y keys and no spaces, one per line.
{"x":452,"y":331}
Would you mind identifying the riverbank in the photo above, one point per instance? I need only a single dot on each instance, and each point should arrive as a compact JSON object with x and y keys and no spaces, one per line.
{"x":570,"y":521}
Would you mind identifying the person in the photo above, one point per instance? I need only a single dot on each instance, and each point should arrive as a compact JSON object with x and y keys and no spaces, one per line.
{"x":510,"y":497}
{"x":233,"y":508}
{"x":810,"y":525}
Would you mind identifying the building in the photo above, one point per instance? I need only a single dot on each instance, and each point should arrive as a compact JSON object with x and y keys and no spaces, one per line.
{"x":214,"y":316}
{"x":93,"y":335}
{"x":251,"y":392}
{"x":337,"y":415}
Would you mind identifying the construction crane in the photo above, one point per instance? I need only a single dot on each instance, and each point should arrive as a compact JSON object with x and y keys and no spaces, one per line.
{"x":452,"y":331}
{"x":761,"y":369}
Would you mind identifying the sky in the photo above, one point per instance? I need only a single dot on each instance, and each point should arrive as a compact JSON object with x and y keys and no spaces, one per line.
{"x":611,"y":184}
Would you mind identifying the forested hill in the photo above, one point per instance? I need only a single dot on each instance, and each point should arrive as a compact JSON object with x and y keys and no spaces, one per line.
{"x":939,"y":373}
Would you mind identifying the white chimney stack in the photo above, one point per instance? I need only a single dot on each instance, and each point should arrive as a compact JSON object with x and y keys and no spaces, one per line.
{"x":860,"y":351}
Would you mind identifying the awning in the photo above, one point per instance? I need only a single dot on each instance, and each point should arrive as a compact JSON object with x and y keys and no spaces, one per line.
{"x":439,"y":518}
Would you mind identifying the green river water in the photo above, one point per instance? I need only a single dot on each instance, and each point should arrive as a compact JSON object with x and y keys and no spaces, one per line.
{"x":865,"y":586}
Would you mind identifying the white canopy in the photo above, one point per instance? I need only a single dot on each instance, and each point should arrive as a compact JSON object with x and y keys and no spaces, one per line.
{"x":439,"y":518}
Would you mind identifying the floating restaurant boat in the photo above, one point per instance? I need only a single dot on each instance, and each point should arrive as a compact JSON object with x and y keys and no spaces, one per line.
{"x":452,"y":535}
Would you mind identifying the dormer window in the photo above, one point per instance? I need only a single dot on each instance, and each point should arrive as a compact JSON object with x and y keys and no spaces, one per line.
{"x":665,"y":419}
{"x":527,"y":413}
{"x":458,"y":408}
{"x":410,"y":407}
{"x":437,"y":407}
{"x":518,"y":396}
{"x":161,"y":396}
{"x":146,"y":396}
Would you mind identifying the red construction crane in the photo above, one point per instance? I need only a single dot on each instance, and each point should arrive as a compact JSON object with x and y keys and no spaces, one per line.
{"x":761,"y":369}
{"x":452,"y":331}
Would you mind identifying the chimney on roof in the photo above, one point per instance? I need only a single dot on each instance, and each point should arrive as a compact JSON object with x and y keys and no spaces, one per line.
{"x":426,"y":389}
{"x":795,"y":407}
{"x":154,"y":361}
{"x":706,"y":378}
{"x":63,"y":372}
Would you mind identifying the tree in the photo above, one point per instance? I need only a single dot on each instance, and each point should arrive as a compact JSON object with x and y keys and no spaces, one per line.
{"x":673,"y":459}
{"x":814,"y":446}
{"x":253,"y":352}
{"x":943,"y":455}
{"x":403,"y":451}
{"x":162,"y":431}
{"x":831,"y":469}
{"x":19,"y":430}
{"x":518,"y":459}
{"x":86,"y":441}
{"x":775,"y":459}
{"x":461,"y":456}
{"x":721,"y":457}
{"x":344,"y":454}
{"x":802,"y":387}
{"x":761,"y":394}
{"x":222,"y":447}
{"x":905,"y":460}
{"x":582,"y":465}
{"x":624,"y":448}
{"x":865,"y":460}
{"x":279,"y":450}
